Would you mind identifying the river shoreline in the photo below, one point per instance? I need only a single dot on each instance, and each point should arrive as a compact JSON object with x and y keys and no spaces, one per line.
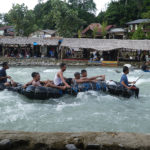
{"x":15,"y":140}
{"x":52,"y":62}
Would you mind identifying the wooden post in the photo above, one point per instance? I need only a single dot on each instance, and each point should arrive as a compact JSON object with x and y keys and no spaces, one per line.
{"x":62,"y":49}
{"x":118,"y":56}
{"x":3,"y":51}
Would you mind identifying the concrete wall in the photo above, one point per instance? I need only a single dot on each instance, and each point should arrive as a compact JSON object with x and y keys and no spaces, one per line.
{"x":83,"y":141}
{"x":42,"y":62}
{"x":52,"y":62}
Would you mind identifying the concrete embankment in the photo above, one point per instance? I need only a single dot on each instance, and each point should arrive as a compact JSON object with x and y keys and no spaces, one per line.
{"x":53,"y":62}
{"x":13,"y":140}
{"x":42,"y":62}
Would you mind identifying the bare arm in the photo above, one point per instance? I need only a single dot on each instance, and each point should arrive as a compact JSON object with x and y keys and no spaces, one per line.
{"x":93,"y":78}
{"x":43,"y":82}
{"x":35,"y":84}
{"x":125,"y":85}
{"x":82,"y":81}
{"x":1,"y":78}
{"x":63,"y":80}
{"x":29,"y":83}
{"x":132,"y":82}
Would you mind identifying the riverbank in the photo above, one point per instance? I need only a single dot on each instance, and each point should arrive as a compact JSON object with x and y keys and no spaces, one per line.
{"x":53,"y":62}
{"x":15,"y":140}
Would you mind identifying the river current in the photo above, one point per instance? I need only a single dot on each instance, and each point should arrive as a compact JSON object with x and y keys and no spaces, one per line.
{"x":89,"y":111}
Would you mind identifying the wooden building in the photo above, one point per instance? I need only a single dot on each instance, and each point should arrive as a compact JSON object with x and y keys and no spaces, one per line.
{"x":33,"y":47}
{"x":133,"y":25}
{"x":75,"y":48}
{"x":7,"y":31}
{"x":88,"y":31}
{"x":43,"y":34}
{"x":117,"y":33}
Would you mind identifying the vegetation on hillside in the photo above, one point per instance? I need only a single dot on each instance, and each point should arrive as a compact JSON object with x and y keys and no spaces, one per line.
{"x":70,"y":17}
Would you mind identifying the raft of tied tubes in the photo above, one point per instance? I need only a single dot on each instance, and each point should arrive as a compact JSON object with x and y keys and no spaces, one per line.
{"x":43,"y":93}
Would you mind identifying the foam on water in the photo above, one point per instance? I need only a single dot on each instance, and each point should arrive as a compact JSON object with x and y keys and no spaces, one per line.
{"x":51,"y":70}
{"x":89,"y":111}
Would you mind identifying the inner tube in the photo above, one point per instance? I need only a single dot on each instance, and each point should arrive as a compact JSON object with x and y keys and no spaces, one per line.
{"x":43,"y":93}
{"x":118,"y":90}
{"x":146,"y":70}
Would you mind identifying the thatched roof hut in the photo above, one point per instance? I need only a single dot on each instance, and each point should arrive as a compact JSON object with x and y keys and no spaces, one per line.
{"x":96,"y":44}
{"x":25,"y":41}
{"x":106,"y":44}
{"x":136,"y":44}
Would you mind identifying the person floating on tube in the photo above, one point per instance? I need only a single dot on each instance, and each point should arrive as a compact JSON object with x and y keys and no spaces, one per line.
{"x":126,"y":84}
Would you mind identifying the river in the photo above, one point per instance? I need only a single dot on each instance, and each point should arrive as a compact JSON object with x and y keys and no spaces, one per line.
{"x":89,"y":111}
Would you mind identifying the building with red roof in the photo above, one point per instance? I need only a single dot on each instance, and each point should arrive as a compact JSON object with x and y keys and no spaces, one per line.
{"x":7,"y":31}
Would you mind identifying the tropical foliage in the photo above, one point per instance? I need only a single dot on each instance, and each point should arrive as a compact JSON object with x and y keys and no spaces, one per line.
{"x":70,"y":16}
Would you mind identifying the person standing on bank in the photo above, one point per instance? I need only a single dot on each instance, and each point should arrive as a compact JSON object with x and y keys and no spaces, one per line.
{"x":59,"y":79}
{"x":3,"y":74}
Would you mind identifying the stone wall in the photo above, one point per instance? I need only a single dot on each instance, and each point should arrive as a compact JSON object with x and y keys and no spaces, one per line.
{"x":39,"y":62}
{"x":52,"y":62}
{"x":11,"y":140}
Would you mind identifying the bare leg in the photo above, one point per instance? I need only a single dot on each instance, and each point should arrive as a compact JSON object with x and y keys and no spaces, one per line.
{"x":7,"y":84}
{"x":49,"y":84}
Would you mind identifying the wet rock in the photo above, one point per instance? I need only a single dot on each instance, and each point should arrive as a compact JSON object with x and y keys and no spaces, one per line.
{"x":5,"y":144}
{"x":83,"y":141}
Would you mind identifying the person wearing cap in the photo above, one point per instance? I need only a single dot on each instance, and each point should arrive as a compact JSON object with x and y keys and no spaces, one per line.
{"x":95,"y":78}
{"x":3,"y":74}
{"x":78,"y":79}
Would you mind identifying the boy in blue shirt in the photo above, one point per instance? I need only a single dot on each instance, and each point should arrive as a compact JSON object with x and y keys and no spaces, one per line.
{"x":125,"y":83}
{"x":3,"y":74}
{"x":124,"y":80}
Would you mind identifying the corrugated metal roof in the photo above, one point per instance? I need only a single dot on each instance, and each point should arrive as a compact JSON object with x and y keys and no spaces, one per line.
{"x":98,"y":26}
{"x":115,"y":30}
{"x":5,"y":27}
{"x":49,"y":31}
{"x":138,"y":21}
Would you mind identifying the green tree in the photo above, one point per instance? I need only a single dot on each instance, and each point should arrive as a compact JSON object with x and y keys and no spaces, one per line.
{"x":95,"y":30}
{"x":79,"y":33}
{"x":44,"y":16}
{"x":139,"y":34}
{"x":66,"y":19}
{"x":85,"y":9}
{"x":148,"y":35}
{"x":122,"y":11}
{"x":28,"y":23}
{"x":86,"y":5}
{"x":146,"y":15}
{"x":22,"y":19}
{"x":16,"y":15}
{"x":104,"y":31}
{"x":101,"y":17}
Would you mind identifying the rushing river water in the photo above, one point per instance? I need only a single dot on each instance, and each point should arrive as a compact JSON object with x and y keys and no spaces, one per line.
{"x":89,"y":111}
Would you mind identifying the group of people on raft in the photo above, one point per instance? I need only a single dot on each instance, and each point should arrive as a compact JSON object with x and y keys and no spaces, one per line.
{"x":60,"y":82}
